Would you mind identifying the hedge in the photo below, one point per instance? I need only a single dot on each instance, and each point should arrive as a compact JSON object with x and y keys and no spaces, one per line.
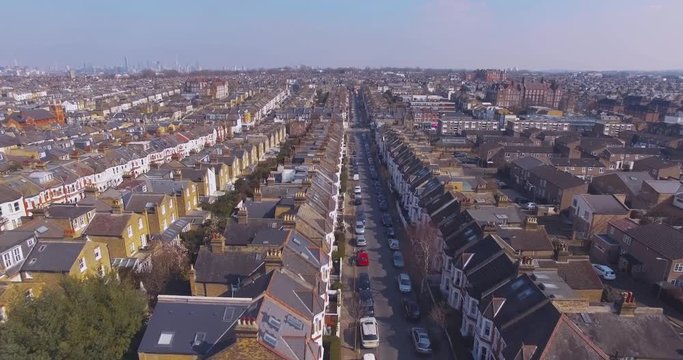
{"x":332,"y":345}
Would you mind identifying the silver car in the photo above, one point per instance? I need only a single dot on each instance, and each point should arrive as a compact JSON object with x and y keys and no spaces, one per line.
{"x":398,"y":260}
{"x":421,"y":340}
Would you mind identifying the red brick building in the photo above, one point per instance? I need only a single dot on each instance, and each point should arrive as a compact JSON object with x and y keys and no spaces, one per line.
{"x":37,"y":118}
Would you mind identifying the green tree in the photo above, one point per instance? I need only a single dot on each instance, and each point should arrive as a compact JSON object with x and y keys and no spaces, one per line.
{"x":91,"y":319}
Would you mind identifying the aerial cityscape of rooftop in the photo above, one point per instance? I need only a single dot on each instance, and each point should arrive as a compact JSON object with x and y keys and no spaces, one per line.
{"x":443,"y":179}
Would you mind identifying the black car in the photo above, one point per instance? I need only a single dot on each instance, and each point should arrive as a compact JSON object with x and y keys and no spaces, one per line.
{"x":366,"y":302}
{"x":522,"y":200}
{"x":390,"y":232}
{"x":363,"y":282}
{"x":382,"y":206}
{"x":386,"y":220}
{"x":411,"y":309}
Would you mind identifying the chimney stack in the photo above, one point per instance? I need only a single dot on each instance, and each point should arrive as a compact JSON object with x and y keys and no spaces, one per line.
{"x":217,"y":242}
{"x":561,"y":252}
{"x":502,"y":200}
{"x":273,"y":260}
{"x":242,"y":215}
{"x":289,"y":221}
{"x":38,"y":213}
{"x":271,"y":179}
{"x":197,"y":165}
{"x":526,"y":265}
{"x":626,"y":306}
{"x":177,"y":174}
{"x":246,"y":329}
{"x":117,"y":207}
{"x":531,"y":222}
{"x":257,"y":194}
{"x":300,"y":198}
{"x":69,"y":233}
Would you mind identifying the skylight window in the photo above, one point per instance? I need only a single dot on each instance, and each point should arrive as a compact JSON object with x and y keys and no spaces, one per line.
{"x":270,"y":339}
{"x":274,"y":323}
{"x":165,"y":338}
{"x":199,"y":338}
{"x":294,"y":322}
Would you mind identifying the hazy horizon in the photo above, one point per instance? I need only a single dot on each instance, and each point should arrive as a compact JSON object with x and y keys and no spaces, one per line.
{"x":583,"y":35}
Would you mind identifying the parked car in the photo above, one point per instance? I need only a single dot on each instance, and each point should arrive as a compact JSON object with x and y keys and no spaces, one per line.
{"x":360,"y":229}
{"x":421,"y":340}
{"x":529,"y":206}
{"x":357,"y":189}
{"x":366,"y":303}
{"x":369,"y":334}
{"x":411,"y":309}
{"x":360,"y":240}
{"x":362,"y":258}
{"x":386,"y":220}
{"x":394,"y":244}
{"x":390,"y":232}
{"x":404,"y":284}
{"x":605,"y":272}
{"x":382,"y":205}
{"x":356,"y":177}
{"x":363,"y":282}
{"x":398,"y":260}
{"x":358,"y":200}
{"x":369,"y":356}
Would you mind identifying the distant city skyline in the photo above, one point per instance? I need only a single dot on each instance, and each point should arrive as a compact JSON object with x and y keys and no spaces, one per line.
{"x":527,"y":34}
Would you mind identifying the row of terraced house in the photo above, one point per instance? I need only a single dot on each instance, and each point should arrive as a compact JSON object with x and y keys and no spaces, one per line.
{"x":261,"y":288}
{"x":515,"y":292}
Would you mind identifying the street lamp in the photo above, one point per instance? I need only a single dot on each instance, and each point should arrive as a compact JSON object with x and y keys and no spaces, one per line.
{"x":659,"y":292}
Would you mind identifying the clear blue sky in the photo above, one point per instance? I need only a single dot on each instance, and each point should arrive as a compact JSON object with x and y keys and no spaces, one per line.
{"x":533,"y":34}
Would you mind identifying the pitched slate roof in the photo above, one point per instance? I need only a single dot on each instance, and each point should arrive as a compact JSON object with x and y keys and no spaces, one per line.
{"x":663,"y":239}
{"x":104,"y":224}
{"x":56,"y":257}
{"x":605,"y":204}
{"x":228,"y":267}
{"x":552,"y":175}
{"x":641,"y":336}
{"x":187,"y":319}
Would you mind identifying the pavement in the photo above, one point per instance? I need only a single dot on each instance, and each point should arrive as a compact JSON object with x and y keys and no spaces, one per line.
{"x":395,"y":340}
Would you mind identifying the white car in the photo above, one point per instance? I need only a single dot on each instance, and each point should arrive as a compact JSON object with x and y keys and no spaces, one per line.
{"x":360,"y":240}
{"x":369,"y":356}
{"x":357,"y":189}
{"x":404,"y":284}
{"x":369,"y":334}
{"x":605,"y":272}
{"x":356,"y":177}
{"x":394,"y":244}
{"x":360,"y":229}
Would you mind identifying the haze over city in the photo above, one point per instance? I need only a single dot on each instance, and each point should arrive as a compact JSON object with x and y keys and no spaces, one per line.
{"x":526,"y":34}
{"x":341,"y":179}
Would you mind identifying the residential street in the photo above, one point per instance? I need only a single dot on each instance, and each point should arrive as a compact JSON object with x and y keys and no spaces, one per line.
{"x":395,"y":340}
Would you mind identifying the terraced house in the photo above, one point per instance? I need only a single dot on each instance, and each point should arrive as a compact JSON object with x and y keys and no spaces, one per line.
{"x":271,"y":268}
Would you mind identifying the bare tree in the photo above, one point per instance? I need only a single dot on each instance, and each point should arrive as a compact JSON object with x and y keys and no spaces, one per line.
{"x":170,"y":263}
{"x":439,"y":315}
{"x":426,"y":243}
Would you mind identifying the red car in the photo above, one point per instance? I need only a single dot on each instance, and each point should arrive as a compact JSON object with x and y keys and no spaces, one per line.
{"x":362,"y":258}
